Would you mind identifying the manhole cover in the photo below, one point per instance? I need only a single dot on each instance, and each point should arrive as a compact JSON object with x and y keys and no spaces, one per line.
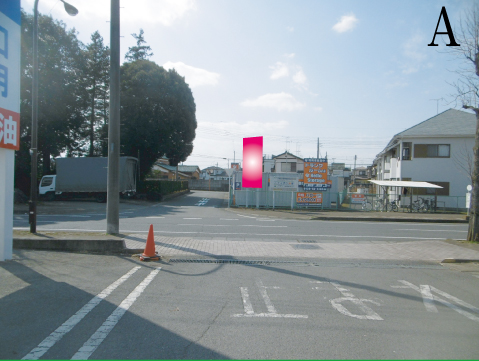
{"x":305,"y":246}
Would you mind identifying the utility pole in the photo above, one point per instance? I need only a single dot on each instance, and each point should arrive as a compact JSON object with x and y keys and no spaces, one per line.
{"x":317,"y":150}
{"x":355,"y":157}
{"x":113,"y":186}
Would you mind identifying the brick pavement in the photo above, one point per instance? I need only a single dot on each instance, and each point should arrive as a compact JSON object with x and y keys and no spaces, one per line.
{"x":178,"y":247}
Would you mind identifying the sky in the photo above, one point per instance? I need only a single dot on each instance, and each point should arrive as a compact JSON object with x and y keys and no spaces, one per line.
{"x":351,"y":73}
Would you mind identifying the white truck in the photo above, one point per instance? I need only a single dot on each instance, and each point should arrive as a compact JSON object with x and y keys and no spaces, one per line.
{"x":87,"y":177}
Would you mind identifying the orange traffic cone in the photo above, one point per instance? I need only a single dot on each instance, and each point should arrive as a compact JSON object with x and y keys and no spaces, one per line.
{"x":150,"y":254}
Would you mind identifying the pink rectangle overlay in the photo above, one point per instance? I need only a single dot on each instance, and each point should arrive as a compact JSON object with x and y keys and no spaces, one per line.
{"x":253,"y":162}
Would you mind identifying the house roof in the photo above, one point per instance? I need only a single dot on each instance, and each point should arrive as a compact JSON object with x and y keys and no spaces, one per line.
{"x":188,"y":168}
{"x":451,"y":122}
{"x":286,"y":153}
{"x":169,"y":168}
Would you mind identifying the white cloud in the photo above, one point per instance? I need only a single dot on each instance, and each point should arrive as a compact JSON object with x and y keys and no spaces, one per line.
{"x":194,"y":76}
{"x":243,"y":129}
{"x":347,"y":22}
{"x":299,"y":77}
{"x":290,"y":29}
{"x":280,"y":101}
{"x":280,"y":70}
{"x":318,"y":109}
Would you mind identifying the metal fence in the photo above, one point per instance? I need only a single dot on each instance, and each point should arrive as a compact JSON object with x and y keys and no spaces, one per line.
{"x":344,"y":201}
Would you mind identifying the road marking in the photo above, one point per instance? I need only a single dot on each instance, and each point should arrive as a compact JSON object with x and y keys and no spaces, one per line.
{"x":244,"y":216}
{"x":429,"y":298}
{"x":226,"y":225}
{"x":228,"y":219}
{"x":67,"y":326}
{"x":202,"y":202}
{"x":97,"y":338}
{"x":192,"y":218}
{"x":348,"y":296}
{"x":265,"y":220}
{"x":155,"y":217}
{"x":272,"y":313}
{"x":428,"y":230}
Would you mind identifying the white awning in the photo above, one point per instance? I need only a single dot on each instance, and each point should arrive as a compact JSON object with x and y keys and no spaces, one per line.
{"x":409,"y":184}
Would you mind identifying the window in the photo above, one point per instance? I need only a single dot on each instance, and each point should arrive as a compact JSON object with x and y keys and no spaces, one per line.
{"x":406,"y":150}
{"x":46,"y":182}
{"x":432,"y":150}
{"x":288,"y":167}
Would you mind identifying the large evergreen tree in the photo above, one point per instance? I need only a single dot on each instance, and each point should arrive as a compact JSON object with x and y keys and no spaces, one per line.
{"x":157,"y":114}
{"x":60,"y":112}
{"x":96,"y":77}
{"x":140,"y":51}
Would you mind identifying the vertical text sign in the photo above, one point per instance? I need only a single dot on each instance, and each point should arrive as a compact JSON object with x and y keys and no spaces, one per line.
{"x":10,"y":74}
{"x":253,"y":162}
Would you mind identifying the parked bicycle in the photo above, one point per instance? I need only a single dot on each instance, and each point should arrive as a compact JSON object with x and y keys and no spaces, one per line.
{"x":420,"y":205}
{"x":366,"y":205}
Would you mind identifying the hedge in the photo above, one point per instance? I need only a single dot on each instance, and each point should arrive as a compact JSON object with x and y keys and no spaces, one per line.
{"x":155,"y":189}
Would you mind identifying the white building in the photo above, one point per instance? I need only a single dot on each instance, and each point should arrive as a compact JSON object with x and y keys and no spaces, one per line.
{"x":283,"y":163}
{"x":439,"y":150}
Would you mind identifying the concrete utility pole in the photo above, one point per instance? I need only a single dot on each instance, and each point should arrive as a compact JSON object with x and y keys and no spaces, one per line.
{"x":113,"y":187}
{"x":317,"y":150}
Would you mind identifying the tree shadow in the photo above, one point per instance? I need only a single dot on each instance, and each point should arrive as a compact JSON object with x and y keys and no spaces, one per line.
{"x":38,"y":305}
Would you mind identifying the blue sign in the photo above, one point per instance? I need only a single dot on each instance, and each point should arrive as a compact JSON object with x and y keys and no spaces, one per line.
{"x":237,"y":185}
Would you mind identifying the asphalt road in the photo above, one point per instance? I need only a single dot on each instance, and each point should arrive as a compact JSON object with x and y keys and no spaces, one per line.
{"x":59,"y":306}
{"x":203,"y":215}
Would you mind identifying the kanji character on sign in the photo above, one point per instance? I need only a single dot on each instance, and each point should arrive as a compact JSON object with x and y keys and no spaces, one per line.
{"x":8,"y":129}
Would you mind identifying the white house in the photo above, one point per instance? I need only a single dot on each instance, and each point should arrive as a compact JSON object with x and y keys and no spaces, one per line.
{"x":283,"y":163}
{"x":438,"y":150}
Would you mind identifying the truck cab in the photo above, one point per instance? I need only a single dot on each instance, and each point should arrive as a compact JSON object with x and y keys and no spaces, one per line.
{"x":47,"y":187}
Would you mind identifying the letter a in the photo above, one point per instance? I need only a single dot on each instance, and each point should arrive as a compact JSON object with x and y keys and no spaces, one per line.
{"x":452,"y":41}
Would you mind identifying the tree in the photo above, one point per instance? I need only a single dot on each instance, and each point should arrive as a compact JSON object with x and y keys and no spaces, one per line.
{"x":157,"y":114}
{"x":140,"y":51}
{"x":96,"y":81}
{"x":467,"y":92}
{"x":60,"y":113}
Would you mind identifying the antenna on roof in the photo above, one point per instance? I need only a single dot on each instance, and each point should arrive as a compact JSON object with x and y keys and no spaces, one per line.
{"x":437,"y":104}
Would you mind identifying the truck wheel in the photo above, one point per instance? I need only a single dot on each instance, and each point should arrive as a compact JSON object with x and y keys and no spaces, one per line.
{"x":101,"y":198}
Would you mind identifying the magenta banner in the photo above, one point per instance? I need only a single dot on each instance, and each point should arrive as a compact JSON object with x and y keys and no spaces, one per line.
{"x":252,"y":162}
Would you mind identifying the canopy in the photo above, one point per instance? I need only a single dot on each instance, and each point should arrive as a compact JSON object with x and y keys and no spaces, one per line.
{"x":410,"y":184}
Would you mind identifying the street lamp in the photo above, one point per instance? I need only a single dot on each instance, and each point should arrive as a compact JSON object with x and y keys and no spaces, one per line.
{"x":71,"y":10}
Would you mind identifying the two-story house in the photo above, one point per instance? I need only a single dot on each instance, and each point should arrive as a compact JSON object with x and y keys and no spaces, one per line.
{"x":438,"y":150}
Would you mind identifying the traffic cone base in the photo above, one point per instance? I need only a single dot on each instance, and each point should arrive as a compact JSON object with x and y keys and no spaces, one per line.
{"x":150,"y":254}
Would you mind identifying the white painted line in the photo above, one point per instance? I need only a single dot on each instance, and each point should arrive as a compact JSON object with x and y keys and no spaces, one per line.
{"x":369,"y":314}
{"x":97,"y":338}
{"x":447,"y":303}
{"x":248,"y":307}
{"x":155,"y":217}
{"x":427,"y":230}
{"x":228,"y":219}
{"x":227,"y":225}
{"x":264,"y":294}
{"x":67,"y":326}
{"x":265,"y":220}
{"x":427,"y":298}
{"x":192,"y":218}
{"x":244,"y":216}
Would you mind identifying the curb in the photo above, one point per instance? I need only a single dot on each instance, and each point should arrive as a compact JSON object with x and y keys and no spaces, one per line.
{"x":459,"y":260}
{"x":104,"y":246}
{"x":377,"y":219}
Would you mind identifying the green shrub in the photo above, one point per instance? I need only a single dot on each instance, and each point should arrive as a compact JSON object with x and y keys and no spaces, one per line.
{"x":155,"y":189}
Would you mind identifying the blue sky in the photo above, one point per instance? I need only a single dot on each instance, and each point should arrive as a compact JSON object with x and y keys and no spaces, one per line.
{"x":351,"y":73}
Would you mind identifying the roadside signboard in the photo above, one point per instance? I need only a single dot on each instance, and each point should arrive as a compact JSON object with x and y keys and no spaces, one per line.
{"x":10,"y":17}
{"x":235,"y":166}
{"x":283,"y":183}
{"x":316,"y":174}
{"x":309,"y":199}
{"x":357,"y":198}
